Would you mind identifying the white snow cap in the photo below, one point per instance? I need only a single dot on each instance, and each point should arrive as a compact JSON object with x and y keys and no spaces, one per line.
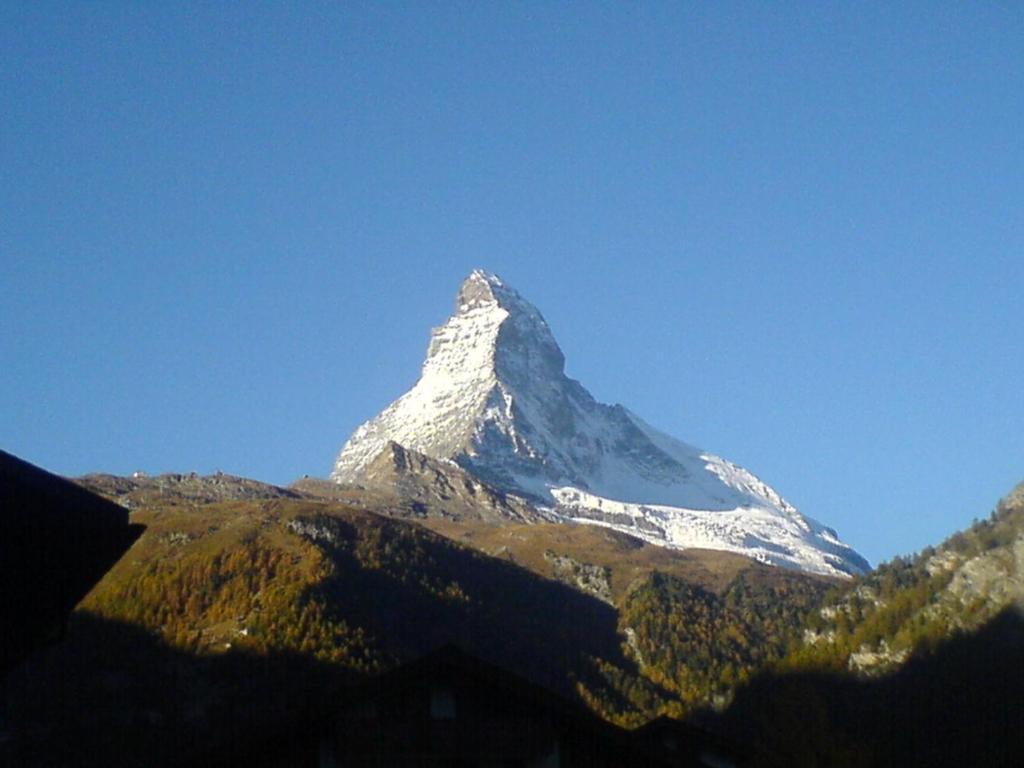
{"x":493,"y":398}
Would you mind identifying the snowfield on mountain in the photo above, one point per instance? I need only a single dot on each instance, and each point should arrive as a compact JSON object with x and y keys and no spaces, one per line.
{"x":493,"y":398}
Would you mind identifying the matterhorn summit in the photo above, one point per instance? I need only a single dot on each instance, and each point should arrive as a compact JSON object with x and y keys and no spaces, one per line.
{"x":493,"y":398}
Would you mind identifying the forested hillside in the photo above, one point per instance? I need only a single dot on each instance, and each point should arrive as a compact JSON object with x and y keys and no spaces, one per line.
{"x":957,"y":703}
{"x":701,"y":645}
{"x":919,"y":663}
{"x":230,"y":619}
{"x":246,"y":610}
{"x":912,"y":603}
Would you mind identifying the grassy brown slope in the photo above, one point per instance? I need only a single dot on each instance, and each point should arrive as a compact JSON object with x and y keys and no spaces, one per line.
{"x":361,"y":591}
{"x":630,"y":561}
{"x":598,"y":560}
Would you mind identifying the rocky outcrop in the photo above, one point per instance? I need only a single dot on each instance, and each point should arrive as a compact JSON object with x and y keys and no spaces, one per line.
{"x":181,"y":488}
{"x":444,"y":488}
{"x":404,"y":483}
{"x":594,"y":580}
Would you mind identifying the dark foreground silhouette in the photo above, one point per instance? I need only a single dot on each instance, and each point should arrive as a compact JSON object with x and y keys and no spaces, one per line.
{"x":56,"y":541}
{"x":113,"y":694}
{"x":960,"y":705}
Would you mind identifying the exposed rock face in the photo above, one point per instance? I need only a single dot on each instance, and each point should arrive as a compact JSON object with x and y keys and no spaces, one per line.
{"x":493,"y":399}
{"x":444,"y":489}
{"x":983,"y":583}
{"x":406,"y":484}
{"x":594,"y":580}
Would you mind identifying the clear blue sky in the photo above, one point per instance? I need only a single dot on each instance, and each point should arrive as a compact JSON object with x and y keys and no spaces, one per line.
{"x":791,"y":235}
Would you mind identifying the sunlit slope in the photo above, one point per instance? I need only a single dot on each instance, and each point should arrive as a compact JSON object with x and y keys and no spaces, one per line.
{"x":912,"y":603}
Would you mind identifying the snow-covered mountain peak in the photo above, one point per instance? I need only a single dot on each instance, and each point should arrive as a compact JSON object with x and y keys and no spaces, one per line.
{"x":493,"y":399}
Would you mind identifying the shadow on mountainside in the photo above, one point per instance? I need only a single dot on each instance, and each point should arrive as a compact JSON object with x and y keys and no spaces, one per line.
{"x":115,"y":693}
{"x":960,"y":704}
{"x":427,"y":591}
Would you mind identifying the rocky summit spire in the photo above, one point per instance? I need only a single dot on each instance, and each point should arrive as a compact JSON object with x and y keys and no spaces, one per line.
{"x":524,"y":340}
{"x":493,"y":398}
{"x":477,"y":290}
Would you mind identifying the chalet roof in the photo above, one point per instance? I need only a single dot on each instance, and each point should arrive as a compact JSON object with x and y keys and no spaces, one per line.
{"x":56,"y":541}
{"x":688,"y":741}
{"x":450,"y":663}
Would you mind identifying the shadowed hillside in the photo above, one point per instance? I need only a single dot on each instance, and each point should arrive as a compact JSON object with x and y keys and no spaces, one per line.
{"x":959,"y":704}
{"x":232,"y":626}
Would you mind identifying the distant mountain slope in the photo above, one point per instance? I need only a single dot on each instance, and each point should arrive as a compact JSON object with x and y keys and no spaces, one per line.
{"x":569,"y":552}
{"x":233,"y":619}
{"x":494,"y":400}
{"x":305,"y":585}
{"x":347,"y":587}
{"x":180,"y":488}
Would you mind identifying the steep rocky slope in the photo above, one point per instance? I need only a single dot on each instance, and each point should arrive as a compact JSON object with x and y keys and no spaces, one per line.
{"x":407,"y":483}
{"x":913,"y":603}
